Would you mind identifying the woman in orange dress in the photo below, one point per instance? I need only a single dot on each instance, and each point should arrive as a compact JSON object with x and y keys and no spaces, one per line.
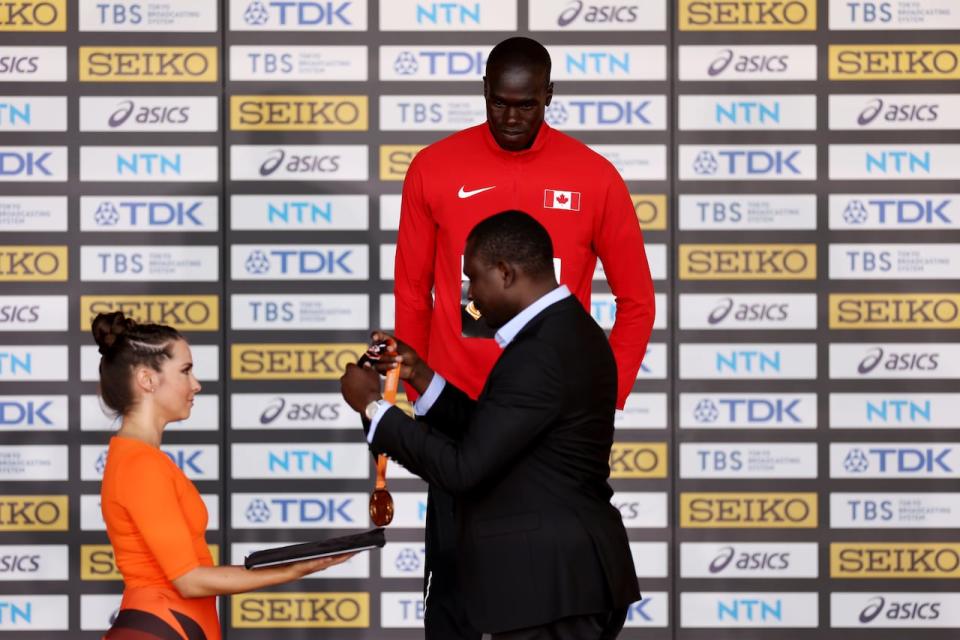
{"x":155,"y":517}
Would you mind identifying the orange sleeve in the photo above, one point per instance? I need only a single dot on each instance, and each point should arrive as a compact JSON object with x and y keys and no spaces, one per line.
{"x":150,"y":497}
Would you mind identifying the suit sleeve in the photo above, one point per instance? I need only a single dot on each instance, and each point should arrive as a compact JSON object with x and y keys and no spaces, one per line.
{"x":150,"y":497}
{"x":413,"y":267}
{"x":451,"y":412}
{"x":524,"y":398}
{"x":618,"y":242}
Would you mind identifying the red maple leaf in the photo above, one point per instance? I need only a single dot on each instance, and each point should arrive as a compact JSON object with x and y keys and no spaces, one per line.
{"x":562,"y":199}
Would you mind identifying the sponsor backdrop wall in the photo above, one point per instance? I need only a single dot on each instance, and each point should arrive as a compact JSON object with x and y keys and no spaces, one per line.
{"x":787,"y":466}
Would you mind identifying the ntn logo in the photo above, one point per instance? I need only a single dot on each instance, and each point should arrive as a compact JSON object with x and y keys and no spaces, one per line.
{"x":898,"y":161}
{"x":750,"y":609}
{"x":599,"y":62}
{"x":14,"y":114}
{"x":299,"y":460}
{"x":748,"y":361}
{"x":448,"y":13}
{"x":747,"y":112}
{"x":13,"y":363}
{"x":898,"y":410}
{"x":149,"y":163}
{"x":299,"y":211}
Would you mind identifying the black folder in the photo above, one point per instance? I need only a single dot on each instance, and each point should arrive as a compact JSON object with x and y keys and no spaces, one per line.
{"x":372,"y":539}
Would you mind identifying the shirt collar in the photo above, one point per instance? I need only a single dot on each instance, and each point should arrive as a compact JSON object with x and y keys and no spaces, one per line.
{"x":509,"y":331}
{"x":542,"y":134}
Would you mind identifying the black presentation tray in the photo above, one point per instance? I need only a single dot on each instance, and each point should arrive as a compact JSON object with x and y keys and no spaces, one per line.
{"x":308,"y":550}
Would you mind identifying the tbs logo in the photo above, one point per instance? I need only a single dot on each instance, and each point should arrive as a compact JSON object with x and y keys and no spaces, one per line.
{"x":870,"y":12}
{"x":290,"y":12}
{"x":871,"y":510}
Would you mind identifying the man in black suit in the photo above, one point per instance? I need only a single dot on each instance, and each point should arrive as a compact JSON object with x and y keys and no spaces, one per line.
{"x":542,"y":552}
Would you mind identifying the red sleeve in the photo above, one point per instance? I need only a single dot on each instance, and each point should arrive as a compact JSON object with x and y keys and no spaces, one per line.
{"x":413,"y":267}
{"x":618,"y":243}
{"x":150,"y":497}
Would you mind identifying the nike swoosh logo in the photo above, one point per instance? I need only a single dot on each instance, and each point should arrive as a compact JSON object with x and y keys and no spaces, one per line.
{"x":467,"y":194}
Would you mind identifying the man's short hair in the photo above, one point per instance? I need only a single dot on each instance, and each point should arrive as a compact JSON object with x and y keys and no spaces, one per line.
{"x":517,"y":238}
{"x":519,"y":52}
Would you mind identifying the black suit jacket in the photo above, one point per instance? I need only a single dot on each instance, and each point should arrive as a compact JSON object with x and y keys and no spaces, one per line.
{"x":528,"y":461}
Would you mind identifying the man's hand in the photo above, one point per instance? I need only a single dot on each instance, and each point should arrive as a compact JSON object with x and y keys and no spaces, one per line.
{"x":360,"y":386}
{"x":413,"y":369}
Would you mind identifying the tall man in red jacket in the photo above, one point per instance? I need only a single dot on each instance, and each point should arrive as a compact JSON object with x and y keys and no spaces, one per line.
{"x":513,"y":161}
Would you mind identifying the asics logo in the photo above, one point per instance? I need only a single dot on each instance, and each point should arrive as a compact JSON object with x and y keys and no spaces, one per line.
{"x":467,"y":194}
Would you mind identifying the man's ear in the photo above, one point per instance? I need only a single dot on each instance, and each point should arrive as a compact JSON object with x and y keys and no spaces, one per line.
{"x":507,"y":272}
{"x":549,"y":94}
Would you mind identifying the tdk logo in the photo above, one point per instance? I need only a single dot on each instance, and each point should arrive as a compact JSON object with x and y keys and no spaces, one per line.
{"x":408,"y":560}
{"x":187,"y":460}
{"x":440,"y":63}
{"x":154,"y":214}
{"x":149,"y":164}
{"x":898,"y":162}
{"x":602,"y":113}
{"x":747,"y":112}
{"x":750,"y":610}
{"x":738,"y":162}
{"x":448,"y":13}
{"x":588,"y":63}
{"x":25,"y":413}
{"x":300,"y":261}
{"x":899,"y":411}
{"x":753,"y":411}
{"x":892,"y":112}
{"x":638,"y":612}
{"x":300,"y":13}
{"x":897,"y":460}
{"x":748,"y":361}
{"x":898,"y":211}
{"x":300,"y":510}
{"x":25,"y":163}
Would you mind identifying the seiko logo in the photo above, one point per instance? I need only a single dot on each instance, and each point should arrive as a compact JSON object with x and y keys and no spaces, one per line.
{"x":747,"y":64}
{"x":897,"y":112}
{"x":743,"y":13}
{"x":728,"y":557}
{"x":299,"y":412}
{"x":767,"y":510}
{"x":748,"y":261}
{"x":908,"y":560}
{"x":917,"y":361}
{"x":897,"y":610}
{"x":32,"y":512}
{"x":28,"y":14}
{"x":295,"y":361}
{"x":593,"y":14}
{"x":128,"y":110}
{"x":170,"y":64}
{"x":915,"y":62}
{"x":298,"y":163}
{"x":911,"y":311}
{"x":747,"y":312}
{"x":327,"y":610}
{"x":28,"y":263}
{"x":307,"y":111}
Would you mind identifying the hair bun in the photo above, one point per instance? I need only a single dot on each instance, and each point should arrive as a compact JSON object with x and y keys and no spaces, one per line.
{"x":108,"y":328}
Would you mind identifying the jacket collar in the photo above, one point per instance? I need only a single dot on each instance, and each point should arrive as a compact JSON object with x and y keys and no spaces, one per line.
{"x":538,"y":143}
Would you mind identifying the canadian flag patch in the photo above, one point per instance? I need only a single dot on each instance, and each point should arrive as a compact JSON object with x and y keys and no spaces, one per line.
{"x":569,"y":200}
